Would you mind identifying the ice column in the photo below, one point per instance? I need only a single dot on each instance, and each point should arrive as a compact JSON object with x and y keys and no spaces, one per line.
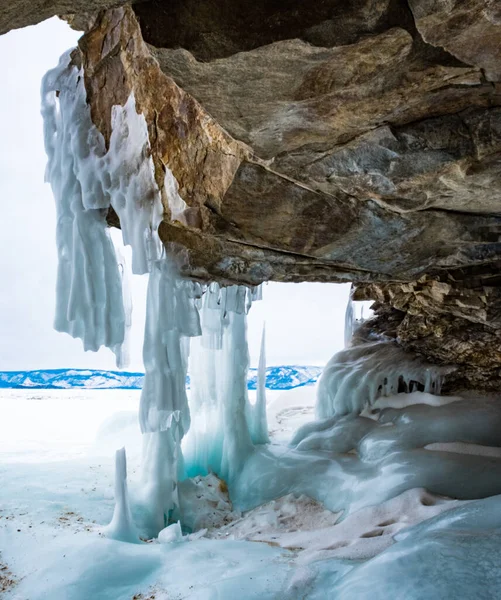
{"x":349,"y":320}
{"x":171,"y":318}
{"x":220,"y":437}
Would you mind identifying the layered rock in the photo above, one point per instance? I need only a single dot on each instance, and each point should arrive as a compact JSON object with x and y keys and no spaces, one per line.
{"x":373,"y":160}
{"x":445,"y":322}
{"x":339,"y":141}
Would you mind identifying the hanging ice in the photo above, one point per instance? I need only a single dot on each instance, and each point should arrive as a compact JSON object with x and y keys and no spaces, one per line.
{"x":86,"y":180}
{"x":220,"y":438}
{"x":354,"y":317}
{"x":89,"y":301}
{"x":355,"y":377}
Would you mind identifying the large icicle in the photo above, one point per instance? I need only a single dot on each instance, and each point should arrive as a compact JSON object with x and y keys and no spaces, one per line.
{"x":220,"y":438}
{"x":171,"y":318}
{"x":89,"y":301}
{"x":86,"y":180}
{"x":355,"y":377}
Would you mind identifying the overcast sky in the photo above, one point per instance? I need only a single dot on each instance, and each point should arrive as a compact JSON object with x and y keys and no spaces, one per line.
{"x":304,"y":322}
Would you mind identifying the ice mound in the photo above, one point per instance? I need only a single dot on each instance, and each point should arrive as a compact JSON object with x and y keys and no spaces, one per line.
{"x":351,"y":462}
{"x":454,"y":555}
{"x":355,"y":377}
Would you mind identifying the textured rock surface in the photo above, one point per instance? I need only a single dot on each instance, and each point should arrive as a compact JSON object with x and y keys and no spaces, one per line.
{"x":335,"y":141}
{"x":21,"y":13}
{"x":445,"y":322}
{"x":468,"y":29}
{"x":374,"y":160}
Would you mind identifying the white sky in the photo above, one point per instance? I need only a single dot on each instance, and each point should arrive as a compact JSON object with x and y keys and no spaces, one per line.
{"x":304,"y":322}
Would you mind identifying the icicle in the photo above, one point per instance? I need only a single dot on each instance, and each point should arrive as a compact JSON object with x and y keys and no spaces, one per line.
{"x":257,"y":413}
{"x":122,"y":526}
{"x":220,"y":439}
{"x":123,"y":355}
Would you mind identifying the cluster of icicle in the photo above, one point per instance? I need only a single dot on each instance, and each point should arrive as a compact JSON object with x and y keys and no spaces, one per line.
{"x":224,"y":426}
{"x":86,"y":180}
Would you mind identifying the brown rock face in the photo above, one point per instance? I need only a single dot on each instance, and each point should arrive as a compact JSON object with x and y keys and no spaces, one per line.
{"x":334,"y":141}
{"x":15,"y":14}
{"x":376,"y":159}
{"x":445,"y":322}
{"x":468,"y":29}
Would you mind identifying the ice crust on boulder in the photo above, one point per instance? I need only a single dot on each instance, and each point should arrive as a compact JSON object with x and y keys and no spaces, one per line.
{"x":356,"y":376}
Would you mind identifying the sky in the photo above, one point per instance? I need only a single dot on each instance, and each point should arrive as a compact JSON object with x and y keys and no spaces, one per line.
{"x":304,"y":322}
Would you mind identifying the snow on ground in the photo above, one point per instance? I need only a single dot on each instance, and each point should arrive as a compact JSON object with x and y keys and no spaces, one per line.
{"x":56,"y":468}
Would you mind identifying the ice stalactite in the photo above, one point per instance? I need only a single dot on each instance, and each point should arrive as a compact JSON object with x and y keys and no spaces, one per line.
{"x":86,"y":180}
{"x":355,"y":377}
{"x":220,"y":438}
{"x":164,"y":416}
{"x":122,"y":526}
{"x":354,"y":317}
{"x":257,"y":413}
{"x":124,"y":268}
{"x":89,"y":301}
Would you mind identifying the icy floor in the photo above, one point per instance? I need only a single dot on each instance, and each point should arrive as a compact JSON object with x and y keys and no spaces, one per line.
{"x":56,"y":494}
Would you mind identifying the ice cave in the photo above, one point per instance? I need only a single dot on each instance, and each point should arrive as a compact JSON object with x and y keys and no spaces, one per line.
{"x":213,"y":146}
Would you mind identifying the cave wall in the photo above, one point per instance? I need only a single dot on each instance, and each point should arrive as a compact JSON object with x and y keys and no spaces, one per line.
{"x":341,"y":141}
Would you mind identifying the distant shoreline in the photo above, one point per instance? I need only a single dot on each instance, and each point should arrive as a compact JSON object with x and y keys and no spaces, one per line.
{"x":283,"y":377}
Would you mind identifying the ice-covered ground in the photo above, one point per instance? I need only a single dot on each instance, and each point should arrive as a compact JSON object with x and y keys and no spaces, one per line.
{"x":56,"y":497}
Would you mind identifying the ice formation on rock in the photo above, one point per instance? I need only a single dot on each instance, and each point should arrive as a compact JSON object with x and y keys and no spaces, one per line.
{"x":354,"y":317}
{"x":86,"y":180}
{"x":220,"y":438}
{"x":89,"y":301}
{"x":122,"y":526}
{"x":355,"y":377}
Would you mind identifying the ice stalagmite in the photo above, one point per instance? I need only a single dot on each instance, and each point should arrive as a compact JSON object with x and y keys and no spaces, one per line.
{"x":164,"y":416}
{"x":349,"y":321}
{"x":220,"y":438}
{"x":122,"y":526}
{"x":257,"y":413}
